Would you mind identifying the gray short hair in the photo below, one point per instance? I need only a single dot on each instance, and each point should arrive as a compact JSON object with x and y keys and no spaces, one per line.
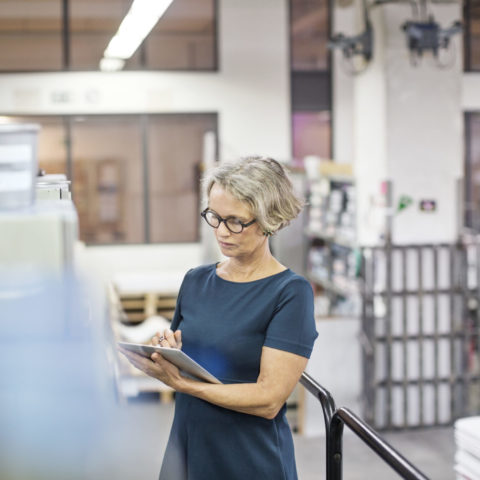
{"x":263,"y":184}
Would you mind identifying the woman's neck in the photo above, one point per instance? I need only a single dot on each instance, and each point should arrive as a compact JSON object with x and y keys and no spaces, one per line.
{"x":243,"y":269}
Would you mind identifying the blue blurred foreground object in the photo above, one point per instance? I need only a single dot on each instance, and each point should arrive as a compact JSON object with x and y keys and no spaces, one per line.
{"x":57,"y":384}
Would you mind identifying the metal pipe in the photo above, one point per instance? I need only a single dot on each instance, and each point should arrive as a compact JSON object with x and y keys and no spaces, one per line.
{"x":335,"y":419}
{"x":383,"y":449}
{"x":465,"y":329}
{"x":453,"y":252}
{"x":412,"y":337}
{"x":66,"y":34}
{"x":436,"y":338}
{"x":428,"y":381}
{"x":404,"y":339}
{"x":476,"y":403}
{"x":388,"y":333}
{"x":367,"y":335}
{"x":420,"y":335}
{"x":322,"y":394}
{"x":371,"y":380}
{"x":333,"y":449}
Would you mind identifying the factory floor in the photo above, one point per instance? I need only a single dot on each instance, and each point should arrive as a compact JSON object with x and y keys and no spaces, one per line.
{"x":137,"y":449}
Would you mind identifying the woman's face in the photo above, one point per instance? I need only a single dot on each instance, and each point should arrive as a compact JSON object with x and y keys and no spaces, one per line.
{"x":234,"y":244}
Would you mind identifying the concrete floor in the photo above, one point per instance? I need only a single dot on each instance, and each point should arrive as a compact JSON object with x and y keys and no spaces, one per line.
{"x":431,"y":451}
{"x":136,"y":449}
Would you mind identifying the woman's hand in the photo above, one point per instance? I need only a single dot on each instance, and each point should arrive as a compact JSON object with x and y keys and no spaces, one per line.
{"x":168,"y":339}
{"x":156,"y":366}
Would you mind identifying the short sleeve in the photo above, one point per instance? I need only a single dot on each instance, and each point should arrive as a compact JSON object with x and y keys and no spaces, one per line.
{"x":292,"y":327}
{"x":177,"y":316}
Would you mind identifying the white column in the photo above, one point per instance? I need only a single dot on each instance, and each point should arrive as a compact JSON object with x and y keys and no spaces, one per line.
{"x":370,"y":138}
{"x":342,"y":92}
{"x":407,"y":128}
{"x":425,"y":132}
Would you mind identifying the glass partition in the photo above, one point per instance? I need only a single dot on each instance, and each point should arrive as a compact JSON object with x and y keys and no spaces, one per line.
{"x":52,"y":142}
{"x":311,"y":134}
{"x":175,"y":146}
{"x":31,"y":35}
{"x":135,"y":178}
{"x":51,"y":35}
{"x":309,"y":25}
{"x":310,"y":79}
{"x":91,"y":26}
{"x":472,"y":171}
{"x":185,"y":38}
{"x":107,"y":178}
{"x":472,"y":35}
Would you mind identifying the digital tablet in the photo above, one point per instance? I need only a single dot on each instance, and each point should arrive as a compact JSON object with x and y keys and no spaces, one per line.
{"x":187,"y":365}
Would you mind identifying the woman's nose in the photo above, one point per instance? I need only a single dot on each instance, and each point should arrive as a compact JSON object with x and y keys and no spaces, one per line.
{"x":223,"y":230}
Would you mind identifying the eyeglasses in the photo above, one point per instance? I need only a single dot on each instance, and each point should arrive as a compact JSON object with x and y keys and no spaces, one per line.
{"x":232,"y":223}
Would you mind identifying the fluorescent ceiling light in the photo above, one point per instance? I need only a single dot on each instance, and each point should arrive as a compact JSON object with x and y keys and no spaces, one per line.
{"x":111,"y":64}
{"x":137,"y":24}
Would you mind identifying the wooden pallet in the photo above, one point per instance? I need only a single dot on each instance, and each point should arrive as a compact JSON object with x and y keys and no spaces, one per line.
{"x":133,"y":309}
{"x":144,"y":294}
{"x":138,"y":307}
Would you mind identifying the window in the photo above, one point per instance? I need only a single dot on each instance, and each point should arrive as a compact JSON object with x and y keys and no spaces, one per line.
{"x":92,"y":24}
{"x":107,"y":178}
{"x":472,"y":35}
{"x":310,"y":79}
{"x":472,"y":171}
{"x":309,"y":34}
{"x":135,"y":178}
{"x":311,"y":134}
{"x":175,"y":145}
{"x":49,"y":35}
{"x":31,"y":35}
{"x":185,"y":37}
{"x":52,"y":151}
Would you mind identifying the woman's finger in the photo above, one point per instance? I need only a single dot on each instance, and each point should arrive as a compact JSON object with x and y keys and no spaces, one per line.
{"x":156,"y":339}
{"x":155,"y":366}
{"x":134,"y":359}
{"x":169,"y":339}
{"x":178,"y":338}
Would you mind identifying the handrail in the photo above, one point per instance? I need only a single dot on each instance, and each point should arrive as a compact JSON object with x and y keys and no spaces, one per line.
{"x":336,"y":418}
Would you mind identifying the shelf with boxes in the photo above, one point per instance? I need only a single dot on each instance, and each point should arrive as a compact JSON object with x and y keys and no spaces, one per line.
{"x":333,"y":260}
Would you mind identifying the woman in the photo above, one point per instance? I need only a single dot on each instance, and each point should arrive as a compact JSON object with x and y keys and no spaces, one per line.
{"x":249,"y":321}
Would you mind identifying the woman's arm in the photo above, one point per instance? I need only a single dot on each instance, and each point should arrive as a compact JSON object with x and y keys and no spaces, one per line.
{"x":279,"y":373}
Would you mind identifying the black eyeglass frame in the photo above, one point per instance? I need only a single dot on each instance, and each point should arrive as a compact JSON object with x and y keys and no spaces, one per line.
{"x":224,"y":220}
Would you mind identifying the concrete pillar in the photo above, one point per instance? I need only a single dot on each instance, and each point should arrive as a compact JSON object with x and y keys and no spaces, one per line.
{"x":407,"y":128}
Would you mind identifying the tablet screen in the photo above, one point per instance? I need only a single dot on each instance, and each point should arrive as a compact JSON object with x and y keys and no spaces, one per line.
{"x":186,"y":364}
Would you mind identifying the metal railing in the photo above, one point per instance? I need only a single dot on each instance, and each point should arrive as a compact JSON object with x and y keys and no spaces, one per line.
{"x":335,"y":418}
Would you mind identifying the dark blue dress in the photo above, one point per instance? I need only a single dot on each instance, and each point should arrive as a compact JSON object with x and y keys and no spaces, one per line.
{"x":224,"y":327}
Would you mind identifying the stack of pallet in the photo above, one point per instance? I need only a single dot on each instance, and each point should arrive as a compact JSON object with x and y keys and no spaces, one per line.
{"x":467,"y":457}
{"x":143,"y":295}
{"x":142,"y":304}
{"x":139,"y":306}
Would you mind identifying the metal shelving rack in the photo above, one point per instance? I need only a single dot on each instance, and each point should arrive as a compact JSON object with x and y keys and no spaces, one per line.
{"x":332,"y":253}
